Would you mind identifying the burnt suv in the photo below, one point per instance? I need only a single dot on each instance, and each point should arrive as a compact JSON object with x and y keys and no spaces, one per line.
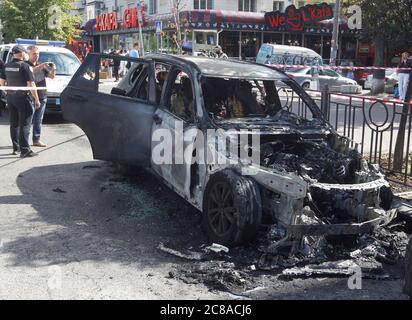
{"x":306,"y":176}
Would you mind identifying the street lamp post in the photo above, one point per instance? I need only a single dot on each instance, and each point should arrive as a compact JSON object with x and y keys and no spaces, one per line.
{"x":140,"y":20}
{"x":335,"y":34}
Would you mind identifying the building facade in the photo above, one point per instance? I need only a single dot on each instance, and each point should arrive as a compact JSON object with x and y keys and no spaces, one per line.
{"x":237,"y":25}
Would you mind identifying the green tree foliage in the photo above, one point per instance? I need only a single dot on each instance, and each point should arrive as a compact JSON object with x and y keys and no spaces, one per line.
{"x":388,"y":23}
{"x":29,"y":19}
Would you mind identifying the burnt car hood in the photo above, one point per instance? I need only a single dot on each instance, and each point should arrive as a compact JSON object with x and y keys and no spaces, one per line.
{"x":282,"y":123}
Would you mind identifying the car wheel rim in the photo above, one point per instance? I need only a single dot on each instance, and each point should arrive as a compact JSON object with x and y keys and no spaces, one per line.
{"x":221,"y":212}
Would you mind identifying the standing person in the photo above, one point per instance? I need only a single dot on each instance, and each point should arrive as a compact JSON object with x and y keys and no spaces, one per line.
{"x":18,"y":73}
{"x":219,"y":53}
{"x":116,"y":65}
{"x":403,"y":75}
{"x":41,"y":72}
{"x":314,"y":83}
{"x":351,"y":73}
{"x":134,"y":53}
{"x":2,"y":106}
{"x":122,"y":67}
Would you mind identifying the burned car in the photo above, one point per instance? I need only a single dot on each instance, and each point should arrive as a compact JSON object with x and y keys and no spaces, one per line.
{"x":306,"y":178}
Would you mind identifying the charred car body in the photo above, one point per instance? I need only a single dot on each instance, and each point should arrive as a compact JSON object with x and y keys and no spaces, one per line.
{"x":307,"y":179}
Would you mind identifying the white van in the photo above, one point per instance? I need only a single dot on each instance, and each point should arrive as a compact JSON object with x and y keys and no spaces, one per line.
{"x":287,"y":55}
{"x":50,"y":51}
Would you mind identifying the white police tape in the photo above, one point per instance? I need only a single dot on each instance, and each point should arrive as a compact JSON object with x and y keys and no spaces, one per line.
{"x":21,"y":88}
{"x":333,"y":67}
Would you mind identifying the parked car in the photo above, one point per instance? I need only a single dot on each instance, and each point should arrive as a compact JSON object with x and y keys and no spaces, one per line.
{"x":167,"y":105}
{"x":326,"y":77}
{"x":391,"y":81}
{"x":50,"y":51}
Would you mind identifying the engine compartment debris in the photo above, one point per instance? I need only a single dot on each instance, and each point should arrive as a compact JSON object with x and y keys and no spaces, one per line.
{"x":189,"y":256}
{"x":217,"y":248}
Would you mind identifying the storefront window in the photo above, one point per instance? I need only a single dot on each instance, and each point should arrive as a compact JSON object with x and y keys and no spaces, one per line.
{"x":273,"y":38}
{"x":293,"y":39}
{"x":314,"y":42}
{"x":152,"y":6}
{"x":202,"y":4}
{"x":247,"y":5}
{"x":278,"y":6}
{"x":229,"y":40}
{"x":250,"y":45}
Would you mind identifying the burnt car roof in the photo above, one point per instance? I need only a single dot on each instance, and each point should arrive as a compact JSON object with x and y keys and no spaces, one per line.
{"x":225,"y":68}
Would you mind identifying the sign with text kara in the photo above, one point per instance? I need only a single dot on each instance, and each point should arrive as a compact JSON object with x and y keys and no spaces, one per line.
{"x":294,"y":19}
{"x":107,"y":21}
{"x":132,"y":18}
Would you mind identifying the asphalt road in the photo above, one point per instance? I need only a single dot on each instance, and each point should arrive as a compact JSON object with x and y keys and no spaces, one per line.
{"x":74,"y":228}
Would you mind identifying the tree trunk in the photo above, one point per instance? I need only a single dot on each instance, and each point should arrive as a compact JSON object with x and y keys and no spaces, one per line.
{"x":379,"y":51}
{"x":378,"y":81}
{"x":400,"y":139}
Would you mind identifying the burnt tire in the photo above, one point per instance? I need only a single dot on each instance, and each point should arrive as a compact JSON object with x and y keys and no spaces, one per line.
{"x":232,"y":209}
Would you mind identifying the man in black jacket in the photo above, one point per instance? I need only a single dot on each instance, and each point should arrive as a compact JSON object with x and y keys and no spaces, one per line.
{"x":2,"y":94}
{"x":21,"y":102}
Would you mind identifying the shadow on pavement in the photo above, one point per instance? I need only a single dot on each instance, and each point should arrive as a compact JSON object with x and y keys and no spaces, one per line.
{"x":93,"y":213}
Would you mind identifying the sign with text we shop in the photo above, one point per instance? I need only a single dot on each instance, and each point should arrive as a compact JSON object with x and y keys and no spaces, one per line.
{"x":294,"y":19}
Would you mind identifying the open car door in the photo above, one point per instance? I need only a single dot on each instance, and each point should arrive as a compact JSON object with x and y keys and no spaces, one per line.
{"x":116,"y":117}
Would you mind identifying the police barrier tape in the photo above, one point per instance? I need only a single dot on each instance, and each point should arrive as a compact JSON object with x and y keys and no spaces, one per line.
{"x":22,"y":88}
{"x":334,"y":68}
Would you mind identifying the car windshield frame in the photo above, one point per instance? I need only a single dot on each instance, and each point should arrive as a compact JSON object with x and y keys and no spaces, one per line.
{"x":311,"y":104}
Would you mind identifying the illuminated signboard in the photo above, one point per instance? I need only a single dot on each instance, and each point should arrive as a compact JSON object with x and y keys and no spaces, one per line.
{"x":108,"y":21}
{"x":294,"y":19}
{"x":130,"y":18}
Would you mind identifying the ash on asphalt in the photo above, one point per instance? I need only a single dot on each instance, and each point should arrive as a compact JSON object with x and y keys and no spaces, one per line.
{"x":243,"y":269}
{"x":132,"y":214}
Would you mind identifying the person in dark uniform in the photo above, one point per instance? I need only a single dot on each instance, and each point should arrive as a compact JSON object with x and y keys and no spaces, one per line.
{"x":21,"y":103}
{"x":2,"y":105}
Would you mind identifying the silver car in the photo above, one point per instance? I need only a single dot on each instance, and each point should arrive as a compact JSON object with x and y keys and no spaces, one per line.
{"x":326,"y":76}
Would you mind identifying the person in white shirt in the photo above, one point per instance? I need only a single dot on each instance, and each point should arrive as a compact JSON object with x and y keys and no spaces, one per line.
{"x":134,"y":53}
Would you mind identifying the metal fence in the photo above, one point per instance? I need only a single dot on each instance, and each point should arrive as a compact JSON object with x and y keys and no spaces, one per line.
{"x":374,"y":127}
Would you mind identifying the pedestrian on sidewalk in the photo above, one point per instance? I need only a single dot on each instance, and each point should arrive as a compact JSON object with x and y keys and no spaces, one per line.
{"x":21,"y":103}
{"x":2,"y":106}
{"x":116,"y":65}
{"x":41,"y":72}
{"x":403,"y":75}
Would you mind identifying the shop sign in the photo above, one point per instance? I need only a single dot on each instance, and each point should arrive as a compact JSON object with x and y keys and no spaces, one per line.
{"x":107,"y":21}
{"x":294,"y":19}
{"x":131,"y":18}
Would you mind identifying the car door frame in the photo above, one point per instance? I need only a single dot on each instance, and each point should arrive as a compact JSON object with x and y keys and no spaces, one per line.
{"x":178,"y":176}
{"x":122,"y":130}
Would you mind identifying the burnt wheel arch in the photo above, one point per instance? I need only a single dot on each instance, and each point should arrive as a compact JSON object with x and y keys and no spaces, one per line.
{"x":232,"y":208}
